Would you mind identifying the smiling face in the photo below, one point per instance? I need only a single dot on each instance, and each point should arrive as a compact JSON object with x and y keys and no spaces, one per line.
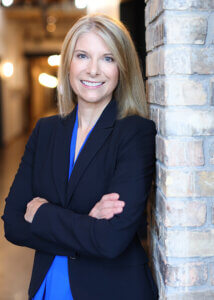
{"x":93,"y":71}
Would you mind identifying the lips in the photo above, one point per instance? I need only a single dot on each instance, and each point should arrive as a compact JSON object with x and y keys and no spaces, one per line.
{"x":92,"y":83}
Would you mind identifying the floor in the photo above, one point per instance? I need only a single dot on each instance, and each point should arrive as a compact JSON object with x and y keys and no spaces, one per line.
{"x":15,"y":262}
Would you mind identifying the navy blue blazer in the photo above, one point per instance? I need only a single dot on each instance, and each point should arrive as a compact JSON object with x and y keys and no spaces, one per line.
{"x":106,"y":259}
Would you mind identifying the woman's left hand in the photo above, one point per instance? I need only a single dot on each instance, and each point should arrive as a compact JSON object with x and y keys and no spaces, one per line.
{"x":32,"y":208}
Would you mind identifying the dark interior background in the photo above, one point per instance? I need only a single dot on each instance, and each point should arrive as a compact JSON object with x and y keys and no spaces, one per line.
{"x":132,"y":15}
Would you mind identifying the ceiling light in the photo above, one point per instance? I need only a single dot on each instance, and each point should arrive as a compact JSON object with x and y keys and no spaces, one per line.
{"x":7,"y":69}
{"x":7,"y":3}
{"x":81,"y":3}
{"x":51,"y":27}
{"x":54,"y":60}
{"x":48,"y":80}
{"x":51,"y":19}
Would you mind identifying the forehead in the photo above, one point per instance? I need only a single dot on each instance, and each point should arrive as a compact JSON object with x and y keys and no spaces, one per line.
{"x":91,"y":41}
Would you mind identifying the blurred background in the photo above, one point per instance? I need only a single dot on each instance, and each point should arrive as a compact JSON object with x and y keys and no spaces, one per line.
{"x":31,"y":35}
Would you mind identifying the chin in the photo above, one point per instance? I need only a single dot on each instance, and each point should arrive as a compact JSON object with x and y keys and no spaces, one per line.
{"x":94,"y":100}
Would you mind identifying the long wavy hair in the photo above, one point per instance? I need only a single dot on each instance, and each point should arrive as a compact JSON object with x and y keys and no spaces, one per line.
{"x":129,"y":93}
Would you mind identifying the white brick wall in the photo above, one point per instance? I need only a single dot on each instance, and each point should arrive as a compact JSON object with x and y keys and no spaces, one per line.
{"x":180,"y":92}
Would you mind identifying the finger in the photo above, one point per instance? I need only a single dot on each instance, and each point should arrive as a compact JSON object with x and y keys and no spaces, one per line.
{"x":119,"y":203}
{"x":37,"y":200}
{"x":111,"y":204}
{"x":112,"y":196}
{"x":34,"y":200}
{"x":30,"y":204}
{"x":43,"y":200}
{"x":110,"y":211}
{"x":108,"y":217}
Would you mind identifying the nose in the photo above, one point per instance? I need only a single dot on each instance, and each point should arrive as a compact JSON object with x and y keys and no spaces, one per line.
{"x":93,"y":67}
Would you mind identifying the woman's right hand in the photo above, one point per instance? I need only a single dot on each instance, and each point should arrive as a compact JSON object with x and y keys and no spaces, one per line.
{"x":107,"y":207}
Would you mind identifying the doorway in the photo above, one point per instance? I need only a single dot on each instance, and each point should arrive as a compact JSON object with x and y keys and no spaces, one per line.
{"x":42,"y":100}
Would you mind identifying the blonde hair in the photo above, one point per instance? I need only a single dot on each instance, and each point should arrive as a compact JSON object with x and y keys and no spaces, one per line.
{"x":129,"y":93}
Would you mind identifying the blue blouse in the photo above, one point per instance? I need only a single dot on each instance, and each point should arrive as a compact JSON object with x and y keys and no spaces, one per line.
{"x":56,"y":285}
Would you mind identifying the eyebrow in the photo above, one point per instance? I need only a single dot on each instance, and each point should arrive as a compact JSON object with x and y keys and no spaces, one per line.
{"x":79,"y":50}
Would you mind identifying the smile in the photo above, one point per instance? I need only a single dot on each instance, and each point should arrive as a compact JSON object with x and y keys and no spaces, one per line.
{"x":91,"y":83}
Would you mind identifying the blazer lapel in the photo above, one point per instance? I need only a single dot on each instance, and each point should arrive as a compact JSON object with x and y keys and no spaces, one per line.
{"x":101,"y":131}
{"x":61,"y":154}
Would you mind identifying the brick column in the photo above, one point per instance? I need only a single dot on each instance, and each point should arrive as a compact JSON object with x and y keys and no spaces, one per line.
{"x":180,"y":90}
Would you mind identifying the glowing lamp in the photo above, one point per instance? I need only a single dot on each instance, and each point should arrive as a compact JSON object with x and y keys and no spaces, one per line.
{"x":54,"y":60}
{"x":7,"y":69}
{"x":48,"y":80}
{"x":7,"y":3}
{"x":81,"y":4}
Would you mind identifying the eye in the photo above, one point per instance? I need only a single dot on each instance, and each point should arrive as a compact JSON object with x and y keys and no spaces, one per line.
{"x":81,"y":55}
{"x":108,"y":58}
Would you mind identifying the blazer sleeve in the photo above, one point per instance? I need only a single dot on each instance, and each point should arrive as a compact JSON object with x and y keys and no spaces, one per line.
{"x":100,"y":237}
{"x":17,"y":230}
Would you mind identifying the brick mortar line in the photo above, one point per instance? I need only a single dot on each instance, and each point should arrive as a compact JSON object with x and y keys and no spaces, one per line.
{"x":166,"y":46}
{"x":209,"y":279}
{"x":155,"y":238}
{"x":180,"y":260}
{"x":188,"y":12}
{"x":168,"y":12}
{"x":155,"y":17}
{"x":207,"y":143}
{"x":210,"y":206}
{"x":203,"y":228}
{"x":209,"y":23}
{"x":202,"y":107}
{"x":185,"y":168}
{"x":178,"y":108}
{"x":196,"y":12}
{"x":181,"y":76}
{"x":188,"y":199}
{"x":184,"y":139}
{"x":171,"y":291}
{"x":205,"y":167}
{"x":169,"y":200}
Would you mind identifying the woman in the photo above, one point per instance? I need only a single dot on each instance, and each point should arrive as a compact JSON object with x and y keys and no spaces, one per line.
{"x":82,"y":185}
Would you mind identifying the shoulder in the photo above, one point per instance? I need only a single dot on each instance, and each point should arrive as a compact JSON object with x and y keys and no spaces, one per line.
{"x":47,"y":123}
{"x":134,"y":132}
{"x":50,"y":121}
{"x":44,"y":128}
{"x":134,"y":124}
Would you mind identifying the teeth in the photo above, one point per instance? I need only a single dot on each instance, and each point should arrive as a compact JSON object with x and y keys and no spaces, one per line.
{"x":89,"y":83}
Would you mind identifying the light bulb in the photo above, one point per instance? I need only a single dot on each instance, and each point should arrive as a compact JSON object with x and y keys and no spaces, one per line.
{"x":81,"y":4}
{"x":54,"y":60}
{"x":48,"y":80}
{"x":7,"y":3}
{"x":7,"y":69}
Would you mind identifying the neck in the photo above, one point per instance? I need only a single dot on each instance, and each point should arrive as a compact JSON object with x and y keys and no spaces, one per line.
{"x":89,"y":113}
